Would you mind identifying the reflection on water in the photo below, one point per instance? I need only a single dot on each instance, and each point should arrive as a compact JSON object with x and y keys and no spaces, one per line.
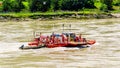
{"x":104,"y":54}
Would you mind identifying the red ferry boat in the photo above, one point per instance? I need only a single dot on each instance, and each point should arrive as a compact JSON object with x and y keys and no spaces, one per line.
{"x":58,"y":40}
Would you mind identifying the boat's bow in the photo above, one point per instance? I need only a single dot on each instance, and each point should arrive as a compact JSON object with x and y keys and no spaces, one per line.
{"x":31,"y":47}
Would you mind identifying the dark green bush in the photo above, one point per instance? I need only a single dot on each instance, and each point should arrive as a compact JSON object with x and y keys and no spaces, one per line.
{"x":12,"y":5}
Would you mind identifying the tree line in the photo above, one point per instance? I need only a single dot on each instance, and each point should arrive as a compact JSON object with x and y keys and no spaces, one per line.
{"x":55,"y":5}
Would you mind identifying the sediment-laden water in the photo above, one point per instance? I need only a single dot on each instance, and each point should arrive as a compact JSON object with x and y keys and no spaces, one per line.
{"x":104,"y":54}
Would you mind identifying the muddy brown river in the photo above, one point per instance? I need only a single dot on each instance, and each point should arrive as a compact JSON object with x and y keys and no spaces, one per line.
{"x":104,"y":54}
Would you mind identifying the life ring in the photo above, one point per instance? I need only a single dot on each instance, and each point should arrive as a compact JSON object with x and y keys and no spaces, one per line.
{"x":91,"y":42}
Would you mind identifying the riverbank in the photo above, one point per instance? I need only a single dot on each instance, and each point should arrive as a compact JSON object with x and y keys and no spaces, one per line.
{"x":56,"y":15}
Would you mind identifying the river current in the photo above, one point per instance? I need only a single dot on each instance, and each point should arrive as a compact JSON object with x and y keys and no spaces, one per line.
{"x":105,"y":53}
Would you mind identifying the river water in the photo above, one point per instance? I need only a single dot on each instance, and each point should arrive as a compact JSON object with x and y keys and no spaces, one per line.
{"x":104,"y":54}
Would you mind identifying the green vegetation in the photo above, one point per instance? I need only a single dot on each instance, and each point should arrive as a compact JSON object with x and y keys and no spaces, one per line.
{"x":12,"y":5}
{"x":116,"y":2}
{"x":46,"y":8}
{"x":55,"y":5}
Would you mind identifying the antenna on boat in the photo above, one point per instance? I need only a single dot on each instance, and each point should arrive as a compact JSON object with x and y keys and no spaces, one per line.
{"x":63,"y":27}
{"x":70,"y":27}
{"x":53,"y":27}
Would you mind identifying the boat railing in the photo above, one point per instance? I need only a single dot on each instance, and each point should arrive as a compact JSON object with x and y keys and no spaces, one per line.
{"x":64,"y":28}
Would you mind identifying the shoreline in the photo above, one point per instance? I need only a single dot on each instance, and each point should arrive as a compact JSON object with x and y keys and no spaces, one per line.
{"x":24,"y":17}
